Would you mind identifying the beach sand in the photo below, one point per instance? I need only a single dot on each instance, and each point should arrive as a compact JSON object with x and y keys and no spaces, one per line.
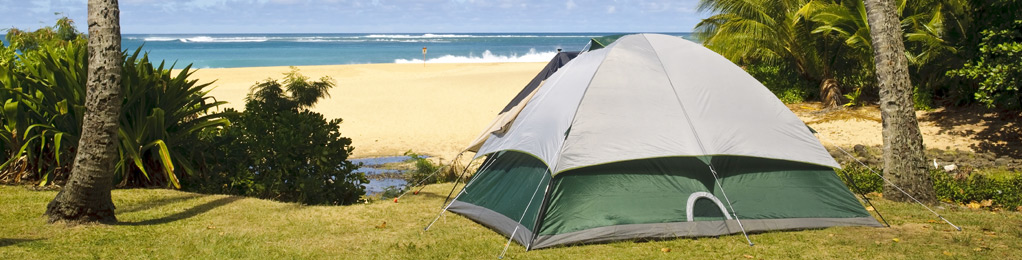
{"x":392,"y":108}
{"x":438,"y":109}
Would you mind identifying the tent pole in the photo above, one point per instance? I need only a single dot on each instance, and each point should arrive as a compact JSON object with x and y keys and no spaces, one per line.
{"x":524,"y":212}
{"x":467,"y":165}
{"x":864,"y":198}
{"x":899,"y":188}
{"x":733,"y":213}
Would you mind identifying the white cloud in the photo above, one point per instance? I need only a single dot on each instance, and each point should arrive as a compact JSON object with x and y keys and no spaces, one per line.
{"x":611,"y":9}
{"x":570,"y":4}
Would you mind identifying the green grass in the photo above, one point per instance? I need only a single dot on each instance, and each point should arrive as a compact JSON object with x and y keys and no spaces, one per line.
{"x":168,"y":224}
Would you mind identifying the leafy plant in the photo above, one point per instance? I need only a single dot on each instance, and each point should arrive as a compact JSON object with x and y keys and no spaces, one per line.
{"x":998,"y":69}
{"x":1002,"y":191}
{"x":43,"y":92}
{"x":279,"y":149}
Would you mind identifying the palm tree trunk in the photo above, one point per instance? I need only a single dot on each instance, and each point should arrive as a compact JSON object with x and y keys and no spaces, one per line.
{"x":86,"y":196}
{"x":903,"y":145}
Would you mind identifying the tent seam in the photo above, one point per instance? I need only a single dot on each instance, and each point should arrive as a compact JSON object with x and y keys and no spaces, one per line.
{"x":577,"y":107}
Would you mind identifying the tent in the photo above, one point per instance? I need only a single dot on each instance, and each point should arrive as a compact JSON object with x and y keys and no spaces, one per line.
{"x":653,"y":136}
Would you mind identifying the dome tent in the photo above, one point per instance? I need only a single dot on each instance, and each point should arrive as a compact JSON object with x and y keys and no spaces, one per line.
{"x":653,"y":136}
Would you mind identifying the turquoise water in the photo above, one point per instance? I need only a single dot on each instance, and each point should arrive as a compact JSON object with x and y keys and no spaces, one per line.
{"x":252,"y":50}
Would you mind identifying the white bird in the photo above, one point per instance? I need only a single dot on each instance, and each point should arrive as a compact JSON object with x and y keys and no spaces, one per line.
{"x":950,"y":167}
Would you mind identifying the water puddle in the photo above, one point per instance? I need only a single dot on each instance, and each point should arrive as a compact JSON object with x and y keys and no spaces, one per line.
{"x":379,"y":178}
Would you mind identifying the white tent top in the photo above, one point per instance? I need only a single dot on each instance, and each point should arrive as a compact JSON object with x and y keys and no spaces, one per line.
{"x":653,"y":95}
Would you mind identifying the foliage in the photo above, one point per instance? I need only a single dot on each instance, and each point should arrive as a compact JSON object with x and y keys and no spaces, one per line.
{"x":427,"y":172}
{"x":829,"y":39}
{"x":61,"y":33}
{"x":161,"y":117}
{"x":783,"y":82}
{"x":998,"y":69}
{"x":779,"y":32}
{"x":1002,"y":191}
{"x":278,"y":149}
{"x":43,"y":92}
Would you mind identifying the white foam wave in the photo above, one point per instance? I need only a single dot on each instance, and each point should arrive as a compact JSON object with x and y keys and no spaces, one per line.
{"x":433,"y":36}
{"x":159,"y":39}
{"x":487,"y":57}
{"x":205,"y":39}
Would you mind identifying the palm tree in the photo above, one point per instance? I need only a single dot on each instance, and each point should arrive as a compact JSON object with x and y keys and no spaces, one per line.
{"x":86,"y":197}
{"x":903,"y":144}
{"x":773,"y":31}
{"x":933,"y":30}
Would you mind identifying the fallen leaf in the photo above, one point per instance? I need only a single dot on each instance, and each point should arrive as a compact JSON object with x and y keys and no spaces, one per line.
{"x":221,"y":233}
{"x":977,"y":249}
{"x":1019,"y":208}
{"x":870,"y":208}
{"x":973,"y":205}
{"x":896,"y":240}
{"x":665,"y":250}
{"x":931,"y":221}
{"x":382,"y":225}
{"x":748,"y":256}
{"x":210,"y":227}
{"x":986,"y":203}
{"x":830,"y":235}
{"x":947,"y":253}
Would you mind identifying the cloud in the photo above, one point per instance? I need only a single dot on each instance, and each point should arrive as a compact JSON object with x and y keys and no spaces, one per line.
{"x":611,"y":9}
{"x":570,"y":4}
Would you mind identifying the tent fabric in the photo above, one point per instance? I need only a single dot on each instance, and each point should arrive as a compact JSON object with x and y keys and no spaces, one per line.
{"x":653,"y":137}
{"x":655,"y":96}
{"x":513,"y":108}
{"x":597,"y":43}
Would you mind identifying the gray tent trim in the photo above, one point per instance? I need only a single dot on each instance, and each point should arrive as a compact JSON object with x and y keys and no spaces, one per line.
{"x":692,"y":229}
{"x":494,"y":220}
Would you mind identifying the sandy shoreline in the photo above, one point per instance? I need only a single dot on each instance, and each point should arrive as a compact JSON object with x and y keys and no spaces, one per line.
{"x":392,"y":108}
{"x":438,"y":109}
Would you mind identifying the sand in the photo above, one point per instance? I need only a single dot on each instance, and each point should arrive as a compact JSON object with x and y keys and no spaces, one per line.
{"x":438,"y":109}
{"x":389,"y":109}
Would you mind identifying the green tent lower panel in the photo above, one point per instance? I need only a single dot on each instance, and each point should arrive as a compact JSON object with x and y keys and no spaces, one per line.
{"x":508,"y":190}
{"x":677,"y":197}
{"x":693,"y":229}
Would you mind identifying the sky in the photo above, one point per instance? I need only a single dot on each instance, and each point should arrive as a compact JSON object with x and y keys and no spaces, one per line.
{"x":368,"y":16}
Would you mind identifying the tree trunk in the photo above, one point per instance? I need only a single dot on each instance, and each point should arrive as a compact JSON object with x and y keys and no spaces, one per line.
{"x":903,"y":145}
{"x":86,"y":196}
{"x":830,"y":93}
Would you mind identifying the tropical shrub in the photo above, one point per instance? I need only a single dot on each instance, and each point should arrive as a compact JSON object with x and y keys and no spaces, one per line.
{"x":426,"y":171}
{"x":43,"y":90}
{"x":278,"y":149}
{"x":1001,"y":191}
{"x":783,"y":82}
{"x":998,"y":69}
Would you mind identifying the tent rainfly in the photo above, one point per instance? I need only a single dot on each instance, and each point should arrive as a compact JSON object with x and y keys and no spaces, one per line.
{"x":652,"y":136}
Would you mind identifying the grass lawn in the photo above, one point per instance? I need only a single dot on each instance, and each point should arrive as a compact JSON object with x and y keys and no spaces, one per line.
{"x":168,"y":224}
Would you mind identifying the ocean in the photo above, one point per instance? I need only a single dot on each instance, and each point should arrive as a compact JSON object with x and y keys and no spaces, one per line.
{"x":257,"y":50}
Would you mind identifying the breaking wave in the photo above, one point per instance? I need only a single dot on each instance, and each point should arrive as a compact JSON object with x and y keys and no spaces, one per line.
{"x":487,"y":57}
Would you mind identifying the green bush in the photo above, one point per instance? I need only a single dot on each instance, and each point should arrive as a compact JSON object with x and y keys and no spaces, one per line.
{"x":783,"y":82}
{"x":998,"y":67}
{"x":278,"y":149}
{"x":427,"y":172}
{"x":1004,"y":191}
